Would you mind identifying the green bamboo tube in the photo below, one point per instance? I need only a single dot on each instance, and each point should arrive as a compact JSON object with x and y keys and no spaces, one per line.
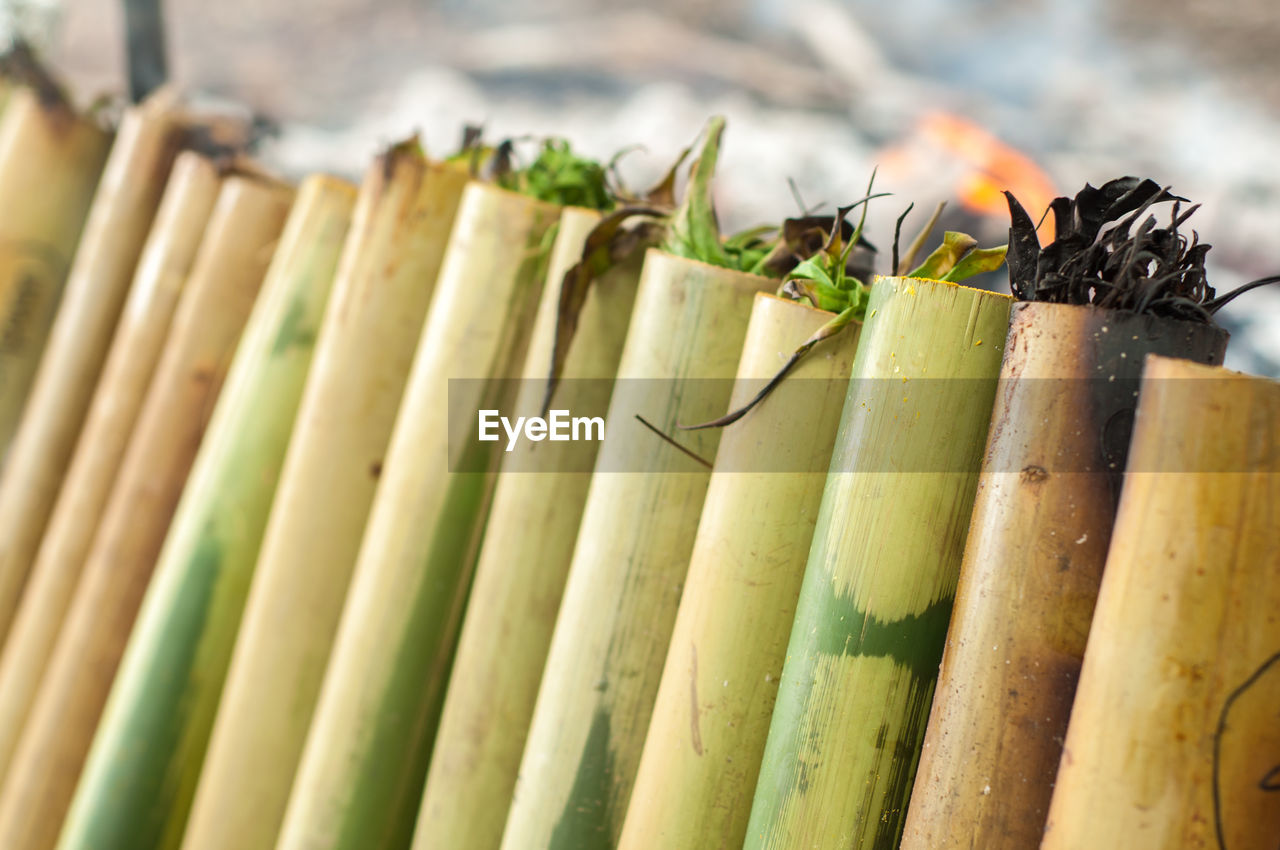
{"x":1041,"y":525}
{"x":872,"y":617}
{"x":711,"y":716}
{"x":50,"y":159}
{"x":360,"y":779}
{"x":162,"y":272}
{"x":629,"y":561}
{"x":224,"y":279}
{"x":123,"y":208}
{"x":363,"y":353}
{"x":1173,"y":741}
{"x":520,"y":574}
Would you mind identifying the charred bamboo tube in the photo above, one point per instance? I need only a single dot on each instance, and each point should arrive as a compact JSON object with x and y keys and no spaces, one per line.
{"x":162,"y":272}
{"x":1173,"y":741}
{"x":630,"y":558}
{"x":872,"y":616}
{"x":215,"y":304}
{"x":360,"y":779}
{"x":374,"y":319}
{"x":50,"y":159}
{"x":123,"y":208}
{"x":520,"y":575}
{"x":702,"y":753}
{"x":1029,"y":580}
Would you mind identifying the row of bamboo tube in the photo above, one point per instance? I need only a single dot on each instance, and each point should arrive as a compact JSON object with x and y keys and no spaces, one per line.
{"x":253,"y":596}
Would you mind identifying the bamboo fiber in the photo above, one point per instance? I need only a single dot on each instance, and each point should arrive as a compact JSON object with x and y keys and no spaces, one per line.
{"x":373,"y":321}
{"x":702,"y":752}
{"x":520,"y":574}
{"x":360,"y":779}
{"x":1173,"y":741}
{"x":50,"y":159}
{"x":162,"y":272}
{"x":142,"y":771}
{"x":224,"y":279}
{"x":1041,"y":525}
{"x":123,"y":208}
{"x":872,"y":616}
{"x":632,"y":551}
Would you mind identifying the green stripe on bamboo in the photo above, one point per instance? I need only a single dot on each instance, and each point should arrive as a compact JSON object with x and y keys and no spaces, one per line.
{"x":629,"y":562}
{"x":872,"y":616}
{"x":360,"y":780}
{"x":375,"y":315}
{"x":1041,"y":526}
{"x":1173,"y":741}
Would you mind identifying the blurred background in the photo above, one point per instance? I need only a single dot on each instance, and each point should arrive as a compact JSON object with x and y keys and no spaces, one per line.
{"x":951,"y":99}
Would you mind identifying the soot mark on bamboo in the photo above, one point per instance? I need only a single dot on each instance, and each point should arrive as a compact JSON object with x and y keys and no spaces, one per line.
{"x":587,"y":819}
{"x":1270,"y":781}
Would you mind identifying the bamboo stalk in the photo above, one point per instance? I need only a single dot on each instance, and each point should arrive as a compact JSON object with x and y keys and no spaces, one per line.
{"x":215,"y":304}
{"x":872,"y":615}
{"x":123,"y":208}
{"x":633,"y":547}
{"x":375,"y":315}
{"x":162,"y":272}
{"x":520,"y":574}
{"x":360,"y":779}
{"x":50,"y":160}
{"x":702,"y":752}
{"x":1041,"y":526}
{"x":1173,"y":740}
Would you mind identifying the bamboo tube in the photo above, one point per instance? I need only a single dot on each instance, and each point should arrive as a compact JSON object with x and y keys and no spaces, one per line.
{"x":123,"y":208}
{"x":872,"y":615}
{"x":162,"y":272}
{"x":629,"y":561}
{"x":520,"y":574}
{"x":1173,"y":741}
{"x":50,"y":159}
{"x":1029,"y":580}
{"x":360,"y":778}
{"x":698,"y":768}
{"x":375,"y":316}
{"x":225,"y":277}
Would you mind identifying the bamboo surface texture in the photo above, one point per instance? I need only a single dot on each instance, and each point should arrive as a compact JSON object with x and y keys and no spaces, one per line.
{"x":119,"y":220}
{"x":1173,"y":742}
{"x":702,"y":752}
{"x":162,"y":273}
{"x":371,"y":326}
{"x":630,"y":558}
{"x":360,"y":780}
{"x":142,"y":771}
{"x":520,"y":574}
{"x":211,"y":313}
{"x":872,"y":616}
{"x":50,"y":160}
{"x":1041,"y":526}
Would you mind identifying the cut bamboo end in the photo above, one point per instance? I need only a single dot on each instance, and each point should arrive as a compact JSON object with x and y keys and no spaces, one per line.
{"x":1040,"y":531}
{"x":1173,"y":740}
{"x":702,"y":752}
{"x":385,"y":278}
{"x":633,"y":547}
{"x":225,"y":277}
{"x":872,"y":616}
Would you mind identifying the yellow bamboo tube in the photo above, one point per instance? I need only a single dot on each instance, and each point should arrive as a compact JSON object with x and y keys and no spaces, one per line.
{"x":50,"y":159}
{"x":162,"y":272}
{"x":711,"y":716}
{"x":633,"y":548}
{"x":520,"y":574}
{"x":123,"y":208}
{"x":1032,"y":565}
{"x":1173,"y":741}
{"x":384,"y":283}
{"x":225,"y":277}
